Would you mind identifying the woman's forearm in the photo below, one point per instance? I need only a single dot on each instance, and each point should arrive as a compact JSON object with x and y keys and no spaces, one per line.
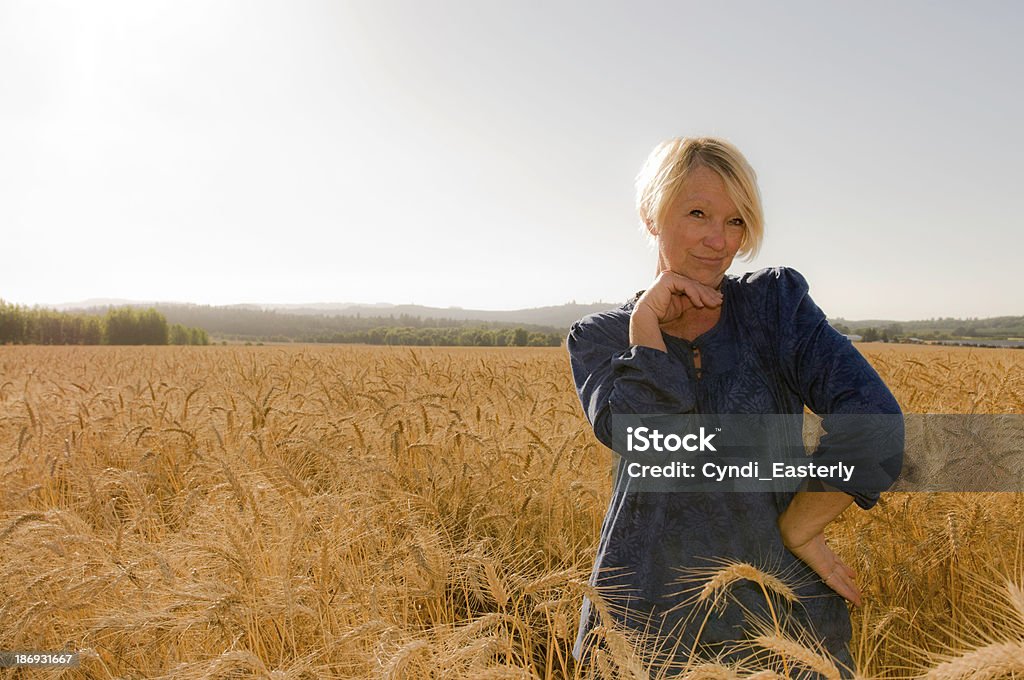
{"x":808,"y":514}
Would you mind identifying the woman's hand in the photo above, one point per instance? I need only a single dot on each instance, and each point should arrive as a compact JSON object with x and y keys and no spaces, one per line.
{"x":816,"y":554}
{"x":671,"y":296}
{"x":801,"y":527}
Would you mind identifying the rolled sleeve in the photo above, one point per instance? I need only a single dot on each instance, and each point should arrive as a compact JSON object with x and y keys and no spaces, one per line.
{"x":863,"y":423}
{"x":614,"y":377}
{"x":640,"y":384}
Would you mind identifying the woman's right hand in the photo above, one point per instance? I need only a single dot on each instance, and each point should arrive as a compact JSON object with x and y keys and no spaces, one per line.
{"x":667,"y":300}
{"x":672,"y":294}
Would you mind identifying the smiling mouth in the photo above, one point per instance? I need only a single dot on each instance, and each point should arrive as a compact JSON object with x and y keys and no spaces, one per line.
{"x":709,"y":260}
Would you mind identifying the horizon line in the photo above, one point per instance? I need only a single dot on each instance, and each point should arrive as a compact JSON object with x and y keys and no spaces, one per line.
{"x":113,"y":302}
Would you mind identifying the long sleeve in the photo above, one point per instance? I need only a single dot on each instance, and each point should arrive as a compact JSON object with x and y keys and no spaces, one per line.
{"x":614,"y":377}
{"x":861,"y":418}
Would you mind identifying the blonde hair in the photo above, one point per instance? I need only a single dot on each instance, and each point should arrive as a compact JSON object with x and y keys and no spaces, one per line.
{"x":672,"y":161}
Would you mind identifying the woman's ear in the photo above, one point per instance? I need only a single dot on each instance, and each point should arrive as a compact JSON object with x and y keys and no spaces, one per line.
{"x":653,"y":230}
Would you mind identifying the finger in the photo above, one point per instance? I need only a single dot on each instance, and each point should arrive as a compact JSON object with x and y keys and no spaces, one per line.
{"x":709,"y":296}
{"x":693,"y":292}
{"x":713,"y":297}
{"x":698,"y":294}
{"x":836,"y":582}
{"x":852,"y":593}
{"x":690,"y":290}
{"x":840,"y":583}
{"x":846,"y":569}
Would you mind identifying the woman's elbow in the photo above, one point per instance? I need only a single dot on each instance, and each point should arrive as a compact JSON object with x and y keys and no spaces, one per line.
{"x":602,"y":424}
{"x":890,"y":442}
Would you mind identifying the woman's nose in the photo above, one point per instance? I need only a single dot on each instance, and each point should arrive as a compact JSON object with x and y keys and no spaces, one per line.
{"x":715,"y":238}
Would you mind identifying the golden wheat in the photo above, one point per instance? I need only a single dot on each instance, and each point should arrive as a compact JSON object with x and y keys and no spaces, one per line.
{"x":800,"y":654}
{"x":357,"y":512}
{"x":721,"y":579}
{"x":997,"y":660}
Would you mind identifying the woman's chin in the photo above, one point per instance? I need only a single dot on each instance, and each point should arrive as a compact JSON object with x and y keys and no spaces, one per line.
{"x":700,"y":275}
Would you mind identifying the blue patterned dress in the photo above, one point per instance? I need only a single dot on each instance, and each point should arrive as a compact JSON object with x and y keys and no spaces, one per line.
{"x":771,"y":352}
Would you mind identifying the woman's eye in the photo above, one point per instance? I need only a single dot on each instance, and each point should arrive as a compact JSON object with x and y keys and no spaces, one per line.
{"x":697,"y":213}
{"x":737,"y":222}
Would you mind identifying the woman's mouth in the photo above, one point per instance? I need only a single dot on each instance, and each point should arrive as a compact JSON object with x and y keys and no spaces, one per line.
{"x":708,"y":260}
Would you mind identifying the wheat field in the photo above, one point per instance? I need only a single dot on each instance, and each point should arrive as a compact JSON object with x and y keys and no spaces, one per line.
{"x":360,"y":512}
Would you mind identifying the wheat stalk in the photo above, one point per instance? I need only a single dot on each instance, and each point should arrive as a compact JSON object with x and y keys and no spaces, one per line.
{"x":712,"y":671}
{"x":731,"y":573}
{"x":992,"y":661}
{"x":790,"y":649}
{"x":402,"y":663}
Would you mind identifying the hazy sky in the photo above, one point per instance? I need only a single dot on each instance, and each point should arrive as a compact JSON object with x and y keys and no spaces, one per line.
{"x":482,"y":154}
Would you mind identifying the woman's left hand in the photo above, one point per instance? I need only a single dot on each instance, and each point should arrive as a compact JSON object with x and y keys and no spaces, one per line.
{"x":816,"y":554}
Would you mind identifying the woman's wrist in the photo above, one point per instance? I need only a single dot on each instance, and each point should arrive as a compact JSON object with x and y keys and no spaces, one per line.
{"x":793,"y":537}
{"x":644,"y":329}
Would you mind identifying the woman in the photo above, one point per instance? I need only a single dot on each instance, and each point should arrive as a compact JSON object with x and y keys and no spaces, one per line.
{"x":699,"y":341}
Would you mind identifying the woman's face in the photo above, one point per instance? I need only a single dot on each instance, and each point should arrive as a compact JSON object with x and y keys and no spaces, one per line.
{"x":702,"y":230}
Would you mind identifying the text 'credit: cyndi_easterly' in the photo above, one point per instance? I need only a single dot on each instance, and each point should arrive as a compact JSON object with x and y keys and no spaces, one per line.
{"x":751,"y":470}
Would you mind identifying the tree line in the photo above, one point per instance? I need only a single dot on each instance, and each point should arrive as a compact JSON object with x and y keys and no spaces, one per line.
{"x":943,"y":328}
{"x":21,"y":325}
{"x":248,"y":324}
{"x":894,"y":332}
{"x":457,"y":336}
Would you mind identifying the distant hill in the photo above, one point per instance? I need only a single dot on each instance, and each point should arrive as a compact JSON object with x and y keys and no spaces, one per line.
{"x":317,"y":320}
{"x":948,"y":328}
{"x":560,"y":316}
{"x":552,"y":317}
{"x":363,"y":324}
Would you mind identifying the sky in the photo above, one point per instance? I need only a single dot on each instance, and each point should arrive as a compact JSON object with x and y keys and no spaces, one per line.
{"x":482,"y":154}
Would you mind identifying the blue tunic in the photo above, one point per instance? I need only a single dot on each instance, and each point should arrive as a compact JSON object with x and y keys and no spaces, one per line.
{"x":771,"y":352}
